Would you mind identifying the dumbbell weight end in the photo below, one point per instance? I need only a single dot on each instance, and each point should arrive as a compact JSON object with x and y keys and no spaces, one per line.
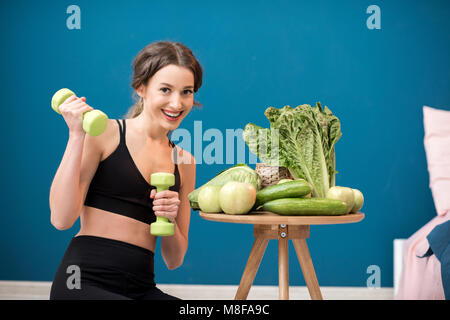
{"x":162,"y":227}
{"x":94,"y":121}
{"x":59,"y":97}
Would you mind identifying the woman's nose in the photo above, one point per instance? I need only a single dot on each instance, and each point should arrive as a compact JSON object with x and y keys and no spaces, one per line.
{"x":175,"y":101}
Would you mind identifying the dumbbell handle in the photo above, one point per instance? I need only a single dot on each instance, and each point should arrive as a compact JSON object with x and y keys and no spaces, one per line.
{"x":162,"y":181}
{"x":94,"y":121}
{"x":158,"y":218}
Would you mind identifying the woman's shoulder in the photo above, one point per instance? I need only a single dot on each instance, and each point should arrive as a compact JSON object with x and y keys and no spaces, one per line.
{"x":110,"y":132}
{"x":184,"y":157}
{"x":108,"y":140}
{"x":186,"y":167}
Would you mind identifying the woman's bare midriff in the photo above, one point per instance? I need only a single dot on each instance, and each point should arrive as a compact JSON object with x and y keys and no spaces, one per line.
{"x":105,"y":224}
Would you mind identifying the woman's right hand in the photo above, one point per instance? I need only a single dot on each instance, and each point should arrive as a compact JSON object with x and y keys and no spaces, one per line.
{"x":72,"y":111}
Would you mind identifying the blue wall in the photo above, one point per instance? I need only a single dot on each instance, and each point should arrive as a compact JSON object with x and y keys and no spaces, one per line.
{"x":255,"y":54}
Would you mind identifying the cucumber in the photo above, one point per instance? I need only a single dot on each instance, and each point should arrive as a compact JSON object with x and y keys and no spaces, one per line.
{"x":306,"y":207}
{"x":291,"y":189}
{"x":284,"y":180}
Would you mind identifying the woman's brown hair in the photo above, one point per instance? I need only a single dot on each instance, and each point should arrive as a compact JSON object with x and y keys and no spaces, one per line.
{"x":156,"y":56}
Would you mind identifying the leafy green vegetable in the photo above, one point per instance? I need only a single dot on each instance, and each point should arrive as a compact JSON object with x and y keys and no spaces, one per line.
{"x":301,"y":139}
{"x":239,"y":173}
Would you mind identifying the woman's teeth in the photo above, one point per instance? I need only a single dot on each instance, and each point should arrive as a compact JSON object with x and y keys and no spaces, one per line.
{"x":172,"y":115}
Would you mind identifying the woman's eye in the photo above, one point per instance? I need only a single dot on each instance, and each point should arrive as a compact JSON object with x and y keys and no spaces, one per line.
{"x":165,"y":90}
{"x":187,"y":92}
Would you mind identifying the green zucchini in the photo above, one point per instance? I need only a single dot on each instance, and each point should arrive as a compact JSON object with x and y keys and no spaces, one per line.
{"x":284,"y":180}
{"x":291,"y":189}
{"x":306,"y":207}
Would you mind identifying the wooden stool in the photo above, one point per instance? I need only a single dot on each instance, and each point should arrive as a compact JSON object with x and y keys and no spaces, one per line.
{"x":266,"y":226}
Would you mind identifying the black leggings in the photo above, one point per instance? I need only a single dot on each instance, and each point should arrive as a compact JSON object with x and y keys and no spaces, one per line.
{"x":105,"y":269}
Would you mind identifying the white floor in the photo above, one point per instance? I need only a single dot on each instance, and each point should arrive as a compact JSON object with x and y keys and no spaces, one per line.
{"x":25,"y":290}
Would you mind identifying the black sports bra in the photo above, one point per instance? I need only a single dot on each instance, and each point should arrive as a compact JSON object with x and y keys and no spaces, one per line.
{"x":119,"y":187}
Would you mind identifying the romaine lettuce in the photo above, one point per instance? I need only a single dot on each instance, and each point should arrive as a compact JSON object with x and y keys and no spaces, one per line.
{"x":301,"y":139}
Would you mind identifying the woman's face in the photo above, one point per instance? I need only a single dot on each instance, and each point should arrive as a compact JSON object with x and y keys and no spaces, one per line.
{"x":169,"y":96}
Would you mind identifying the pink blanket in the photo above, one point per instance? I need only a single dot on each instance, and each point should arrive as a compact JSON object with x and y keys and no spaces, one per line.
{"x":421,"y":277}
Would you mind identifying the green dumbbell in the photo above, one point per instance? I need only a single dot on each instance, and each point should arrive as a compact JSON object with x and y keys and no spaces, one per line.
{"x":94,"y":121}
{"x":162,"y":181}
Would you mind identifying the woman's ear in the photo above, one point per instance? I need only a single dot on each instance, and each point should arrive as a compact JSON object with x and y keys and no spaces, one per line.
{"x":141,"y":91}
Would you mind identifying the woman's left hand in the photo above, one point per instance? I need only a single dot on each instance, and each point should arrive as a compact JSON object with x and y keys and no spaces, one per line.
{"x":165,"y":204}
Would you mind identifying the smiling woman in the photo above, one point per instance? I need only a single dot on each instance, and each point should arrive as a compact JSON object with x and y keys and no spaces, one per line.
{"x":172,"y":101}
{"x":105,"y":181}
{"x":154,"y":57}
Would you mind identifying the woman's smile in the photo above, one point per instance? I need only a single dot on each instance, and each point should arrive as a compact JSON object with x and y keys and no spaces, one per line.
{"x":171,"y":116}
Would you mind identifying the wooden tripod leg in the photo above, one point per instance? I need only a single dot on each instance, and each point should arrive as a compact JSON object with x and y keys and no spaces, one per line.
{"x":301,"y":248}
{"x":258,"y":249}
{"x":283,"y":269}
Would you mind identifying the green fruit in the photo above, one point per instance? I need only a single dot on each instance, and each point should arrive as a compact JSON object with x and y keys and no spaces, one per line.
{"x":284,"y":181}
{"x":359,"y":200}
{"x":208,"y":199}
{"x":344,"y":194}
{"x":237,"y":197}
{"x":306,"y":207}
{"x":240,"y":172}
{"x":290,"y":189}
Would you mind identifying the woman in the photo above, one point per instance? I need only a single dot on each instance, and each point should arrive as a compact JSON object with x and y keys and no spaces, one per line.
{"x":105,"y":180}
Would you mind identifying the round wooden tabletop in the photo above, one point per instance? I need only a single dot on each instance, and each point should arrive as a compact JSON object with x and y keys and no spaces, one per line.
{"x":267,"y":217}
